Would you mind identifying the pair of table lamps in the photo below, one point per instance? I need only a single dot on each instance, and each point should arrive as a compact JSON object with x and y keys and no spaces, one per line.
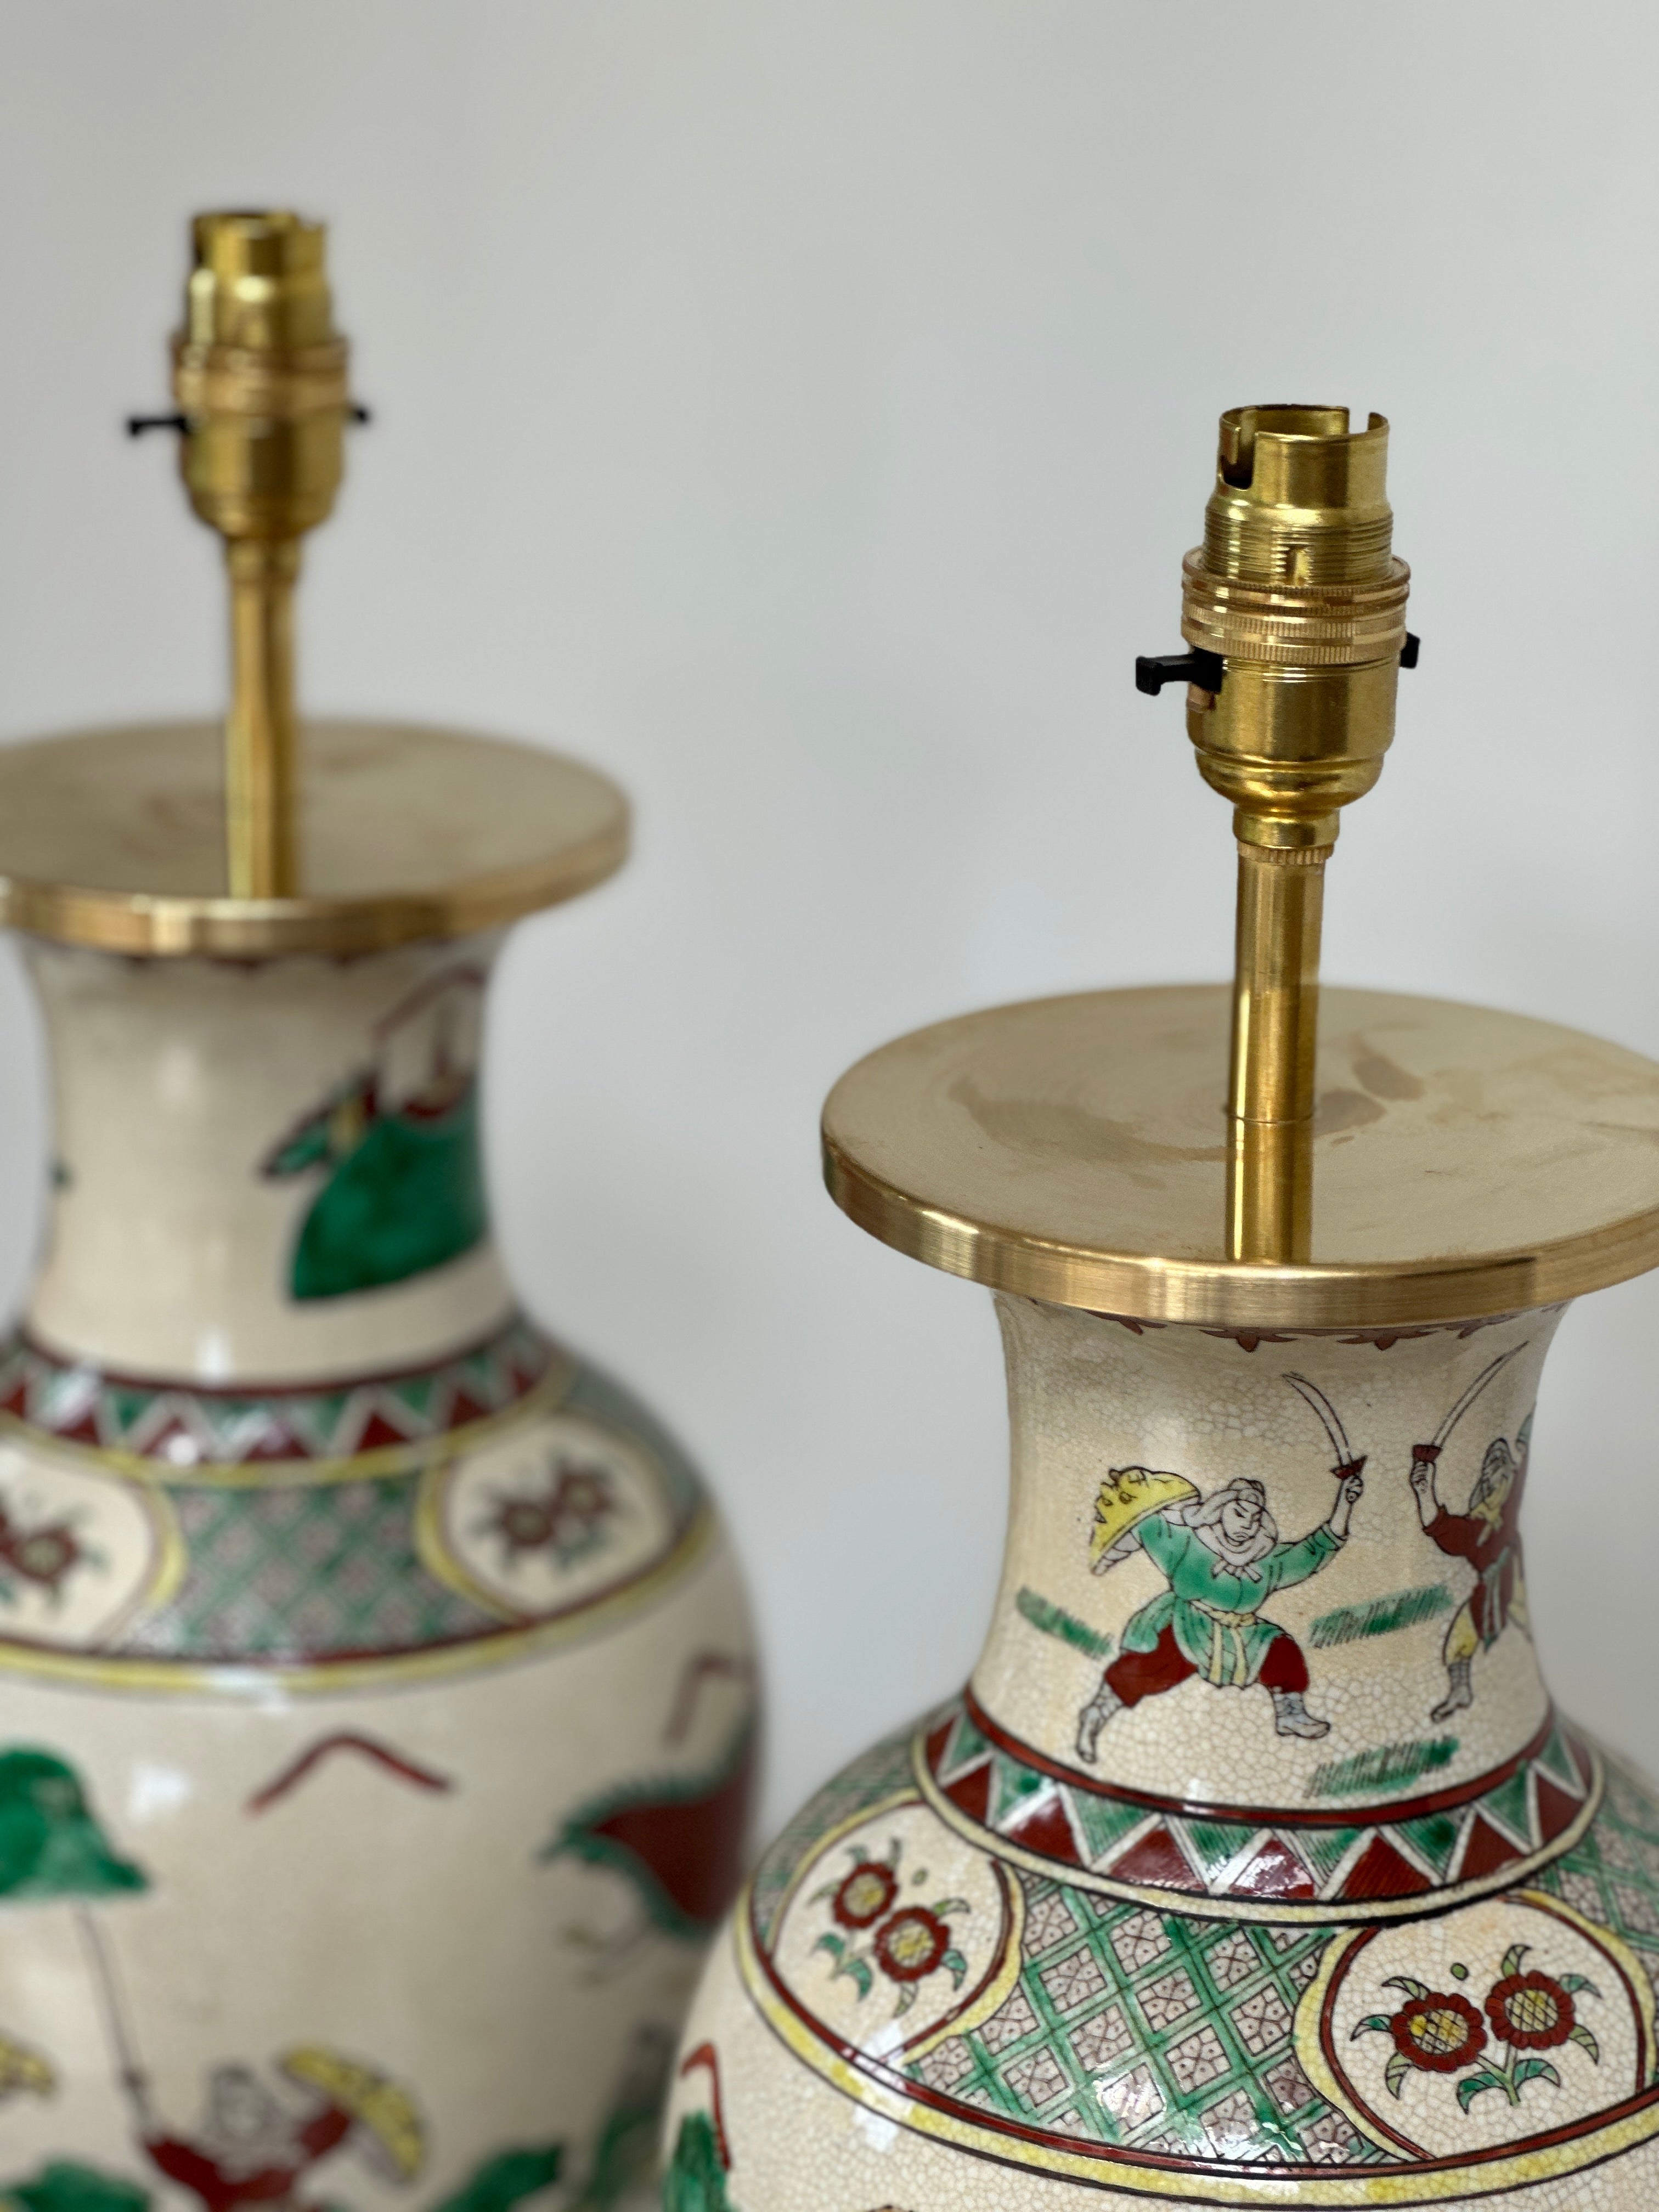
{"x":380,"y":1696}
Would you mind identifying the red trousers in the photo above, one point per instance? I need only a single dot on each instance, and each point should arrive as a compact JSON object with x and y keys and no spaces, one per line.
{"x":1134,"y":1675}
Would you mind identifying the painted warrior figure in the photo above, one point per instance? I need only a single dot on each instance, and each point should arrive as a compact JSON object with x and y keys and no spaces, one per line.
{"x":250,"y":2148}
{"x":1223,"y":1559}
{"x":1488,"y":1537}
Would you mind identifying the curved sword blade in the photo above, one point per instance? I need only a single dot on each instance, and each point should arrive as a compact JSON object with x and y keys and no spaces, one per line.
{"x":1328,"y":1414}
{"x":1473,"y":1393}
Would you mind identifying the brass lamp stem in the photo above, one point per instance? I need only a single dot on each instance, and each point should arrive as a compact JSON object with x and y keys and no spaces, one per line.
{"x":1295,"y":609}
{"x":1275,"y":1034}
{"x":259,"y":375}
{"x":260,"y":742}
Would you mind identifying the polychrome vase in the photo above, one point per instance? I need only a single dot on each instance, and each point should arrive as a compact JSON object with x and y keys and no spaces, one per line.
{"x":377,"y":1703}
{"x":1253,"y":1866}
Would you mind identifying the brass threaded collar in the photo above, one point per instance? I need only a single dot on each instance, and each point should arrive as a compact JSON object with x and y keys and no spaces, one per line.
{"x":1286,"y":856}
{"x":273,"y":386}
{"x":1327,"y":625}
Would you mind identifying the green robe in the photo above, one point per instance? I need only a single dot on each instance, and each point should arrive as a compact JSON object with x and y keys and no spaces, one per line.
{"x":1212,"y":1606}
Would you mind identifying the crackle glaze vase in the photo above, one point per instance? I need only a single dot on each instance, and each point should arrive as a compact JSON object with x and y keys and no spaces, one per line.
{"x":376,"y":1700}
{"x":1253,"y":1866}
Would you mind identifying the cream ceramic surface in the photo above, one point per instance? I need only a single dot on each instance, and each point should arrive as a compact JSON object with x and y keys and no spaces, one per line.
{"x":379,"y":1704}
{"x":173,"y":1081}
{"x":1252,"y":1866}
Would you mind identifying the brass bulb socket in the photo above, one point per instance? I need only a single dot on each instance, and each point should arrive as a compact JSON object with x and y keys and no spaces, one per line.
{"x":1299,"y":498}
{"x":259,"y":375}
{"x":1297,"y":590}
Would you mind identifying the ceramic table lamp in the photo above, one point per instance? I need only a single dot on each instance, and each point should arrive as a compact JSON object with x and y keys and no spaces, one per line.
{"x":1253,"y":1867}
{"x":377,"y":1711}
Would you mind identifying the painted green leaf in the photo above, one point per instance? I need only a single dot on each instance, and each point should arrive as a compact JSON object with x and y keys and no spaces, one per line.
{"x":64,"y":2186}
{"x":1395,"y":2072}
{"x":1405,"y":1982}
{"x":1580,"y":2035}
{"x":832,"y":1944}
{"x":1512,"y":1958}
{"x":907,"y":1997}
{"x":50,"y":1843}
{"x":947,"y":1905}
{"x":695,"y":2179}
{"x":407,"y":1195}
{"x":500,"y":2182}
{"x":1470,"y":2090}
{"x":1536,"y":2069}
{"x":859,"y":1970}
{"x":956,"y":1966}
{"x":1573,"y":1982}
{"x":1377,"y":2023}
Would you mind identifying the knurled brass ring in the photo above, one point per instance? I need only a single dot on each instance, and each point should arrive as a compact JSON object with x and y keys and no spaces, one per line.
{"x":213,"y":379}
{"x":1303,"y":625}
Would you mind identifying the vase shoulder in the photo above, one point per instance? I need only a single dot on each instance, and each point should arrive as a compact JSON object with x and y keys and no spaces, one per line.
{"x":936,"y":2007}
{"x":472,"y":1512}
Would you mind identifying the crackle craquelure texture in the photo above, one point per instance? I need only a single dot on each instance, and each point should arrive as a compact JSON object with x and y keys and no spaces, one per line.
{"x":377,"y":1689}
{"x":1253,"y":1866}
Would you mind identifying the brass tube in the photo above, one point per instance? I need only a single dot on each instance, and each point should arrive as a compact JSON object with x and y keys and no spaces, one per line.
{"x":1281,"y":896}
{"x":261,"y":740}
{"x":1270,"y":1191}
{"x":1275,"y":1036}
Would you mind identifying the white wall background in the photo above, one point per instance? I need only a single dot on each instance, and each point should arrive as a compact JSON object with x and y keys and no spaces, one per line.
{"x":801,"y":407}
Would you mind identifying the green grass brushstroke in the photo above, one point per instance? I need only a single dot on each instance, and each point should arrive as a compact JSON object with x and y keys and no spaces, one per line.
{"x":1382,"y":1617}
{"x":1055,"y":1621}
{"x":1384,"y":1769}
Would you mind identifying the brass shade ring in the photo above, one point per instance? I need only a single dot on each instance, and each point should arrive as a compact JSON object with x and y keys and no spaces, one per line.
{"x":232,"y":380}
{"x":1294,"y":625}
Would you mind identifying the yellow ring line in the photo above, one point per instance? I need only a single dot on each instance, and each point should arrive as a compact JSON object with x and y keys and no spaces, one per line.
{"x":1196,"y":1905}
{"x":1188,"y":2184}
{"x":250,"y":1681}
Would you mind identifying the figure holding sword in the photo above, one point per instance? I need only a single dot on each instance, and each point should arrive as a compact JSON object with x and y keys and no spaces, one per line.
{"x":1223,"y":1558}
{"x":1487,"y":1536}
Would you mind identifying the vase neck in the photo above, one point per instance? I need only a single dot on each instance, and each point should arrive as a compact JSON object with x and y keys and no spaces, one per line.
{"x":1260,"y":1573}
{"x":265,"y":1172}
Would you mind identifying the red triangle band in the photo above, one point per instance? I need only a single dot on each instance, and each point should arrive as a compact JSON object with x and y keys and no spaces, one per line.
{"x":1275,"y":1871}
{"x":1381,"y":1871}
{"x":1048,"y":1831}
{"x":1485,"y":1850}
{"x":1556,"y":1811}
{"x":1157,"y":1860}
{"x":972,"y":1793}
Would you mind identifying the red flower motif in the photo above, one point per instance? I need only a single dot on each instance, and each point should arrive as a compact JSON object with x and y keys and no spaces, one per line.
{"x":1439,"y":2033}
{"x":1531,"y":2011}
{"x":911,"y":1944}
{"x":865,"y":1894}
{"x":43,"y":1556}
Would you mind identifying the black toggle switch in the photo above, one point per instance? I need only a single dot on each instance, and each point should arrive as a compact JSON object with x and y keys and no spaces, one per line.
{"x":1154,"y":669}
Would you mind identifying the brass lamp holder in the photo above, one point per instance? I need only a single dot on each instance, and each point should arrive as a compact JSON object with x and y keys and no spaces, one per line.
{"x":1156,"y":1154}
{"x":266,"y":836}
{"x":1294,"y":608}
{"x":260,"y":373}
